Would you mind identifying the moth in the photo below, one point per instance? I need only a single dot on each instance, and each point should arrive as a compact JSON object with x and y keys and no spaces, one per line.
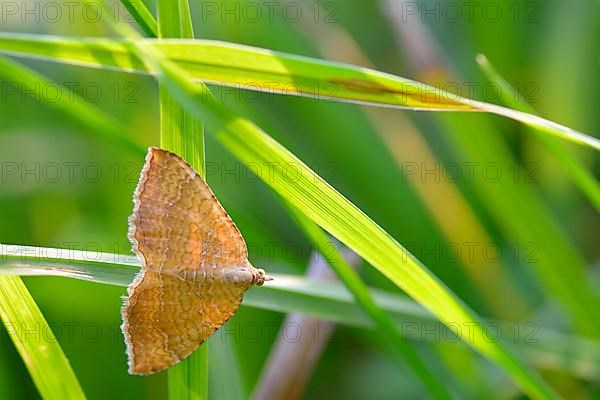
{"x":194,"y":265}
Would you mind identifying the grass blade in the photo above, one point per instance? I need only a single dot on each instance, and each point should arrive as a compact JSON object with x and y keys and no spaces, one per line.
{"x":47,"y":364}
{"x":188,"y":379}
{"x":582,"y":177}
{"x":174,"y":19}
{"x":224,"y":374}
{"x":361,"y":294}
{"x":138,"y":10}
{"x":288,"y":294}
{"x":275,"y":72}
{"x":184,"y":135}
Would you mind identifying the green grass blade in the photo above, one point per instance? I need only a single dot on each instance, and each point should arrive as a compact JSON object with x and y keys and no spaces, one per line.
{"x":361,"y":294}
{"x":275,"y":72}
{"x":47,"y":364}
{"x":226,"y":380}
{"x":242,"y":66}
{"x":184,"y":135}
{"x":138,"y":10}
{"x":288,"y":294}
{"x":174,"y":19}
{"x":188,"y":379}
{"x":578,"y":173}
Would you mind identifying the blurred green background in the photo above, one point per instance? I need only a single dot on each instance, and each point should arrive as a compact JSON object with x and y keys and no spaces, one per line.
{"x":63,"y":186}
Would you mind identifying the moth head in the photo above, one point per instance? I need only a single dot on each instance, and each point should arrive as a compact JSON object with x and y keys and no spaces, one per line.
{"x":260,"y":277}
